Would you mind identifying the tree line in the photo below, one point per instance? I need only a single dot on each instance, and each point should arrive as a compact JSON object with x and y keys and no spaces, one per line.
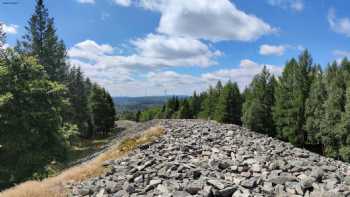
{"x":44,"y":102}
{"x":306,"y":105}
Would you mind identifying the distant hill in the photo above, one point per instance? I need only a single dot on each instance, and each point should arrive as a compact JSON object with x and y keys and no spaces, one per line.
{"x":140,"y":103}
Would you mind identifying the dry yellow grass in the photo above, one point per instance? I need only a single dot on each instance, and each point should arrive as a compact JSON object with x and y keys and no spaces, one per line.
{"x":54,"y":186}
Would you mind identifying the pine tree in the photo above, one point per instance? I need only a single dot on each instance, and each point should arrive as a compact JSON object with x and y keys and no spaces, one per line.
{"x":291,"y":93}
{"x":102,"y":110}
{"x":78,"y":94}
{"x":138,"y":116}
{"x":343,"y":130}
{"x":229,"y":105}
{"x":185,"y":111}
{"x":172,"y":107}
{"x":42,"y":42}
{"x":195,"y":104}
{"x":219,"y":88}
{"x":259,"y":99}
{"x":334,"y":107}
{"x":314,"y":109}
{"x":209,"y":104}
{"x":31,"y":118}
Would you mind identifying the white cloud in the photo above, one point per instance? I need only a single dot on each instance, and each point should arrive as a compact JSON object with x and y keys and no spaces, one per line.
{"x":6,"y":46}
{"x":340,"y":54}
{"x":124,"y":3}
{"x":143,"y":73}
{"x":87,"y":1}
{"x":153,"y":51}
{"x":339,"y":25}
{"x":175,"y":51}
{"x":296,"y":5}
{"x":10,"y":28}
{"x":90,"y":50}
{"x":205,"y":19}
{"x":243,"y":74}
{"x":171,"y":82}
{"x":266,"y":49}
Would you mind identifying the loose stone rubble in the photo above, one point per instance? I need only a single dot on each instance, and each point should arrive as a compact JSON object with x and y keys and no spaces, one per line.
{"x":206,"y":159}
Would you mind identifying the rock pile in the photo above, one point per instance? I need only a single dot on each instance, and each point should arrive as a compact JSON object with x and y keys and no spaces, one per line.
{"x":204,"y":159}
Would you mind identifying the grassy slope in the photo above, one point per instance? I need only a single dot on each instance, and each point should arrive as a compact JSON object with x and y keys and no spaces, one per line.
{"x":54,"y":186}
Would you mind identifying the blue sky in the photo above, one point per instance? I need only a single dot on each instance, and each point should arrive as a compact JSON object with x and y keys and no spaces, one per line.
{"x":153,"y":47}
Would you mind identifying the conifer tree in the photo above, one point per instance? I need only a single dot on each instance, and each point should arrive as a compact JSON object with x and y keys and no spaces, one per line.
{"x":42,"y":42}
{"x":138,"y":116}
{"x":334,"y":107}
{"x":343,"y":130}
{"x":345,"y":67}
{"x":31,"y":118}
{"x":195,"y":104}
{"x":314,"y":109}
{"x":102,"y":110}
{"x":218,"y":88}
{"x":209,"y":104}
{"x":291,"y":93}
{"x":78,"y":94}
{"x":259,"y":100}
{"x":229,"y":105}
{"x":185,"y":111}
{"x":172,"y":107}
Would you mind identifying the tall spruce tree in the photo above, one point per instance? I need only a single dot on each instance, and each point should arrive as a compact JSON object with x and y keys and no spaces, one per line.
{"x":219,"y":87}
{"x":314,"y":109}
{"x":102,"y":110}
{"x":259,"y":100}
{"x":185,"y":111}
{"x":343,"y":129}
{"x":334,"y":107}
{"x":172,"y":107}
{"x":228,"y":109}
{"x":209,"y":104}
{"x":291,"y":93}
{"x":195,"y":104}
{"x":42,"y":42}
{"x":78,"y":94}
{"x":30,"y":118}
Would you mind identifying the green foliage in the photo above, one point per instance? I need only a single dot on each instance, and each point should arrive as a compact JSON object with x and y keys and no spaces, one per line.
{"x":314,"y":108}
{"x":41,"y":106}
{"x":185,"y":111}
{"x":228,"y":109}
{"x":150,"y":114}
{"x":259,"y":100}
{"x":68,"y":131}
{"x":102,"y":110}
{"x":209,"y":104}
{"x":78,"y":94}
{"x":334,"y":107}
{"x":195,"y":104}
{"x":172,"y":106}
{"x":291,"y":94}
{"x":42,"y":42}
{"x":344,"y":153}
{"x":30,"y":118}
